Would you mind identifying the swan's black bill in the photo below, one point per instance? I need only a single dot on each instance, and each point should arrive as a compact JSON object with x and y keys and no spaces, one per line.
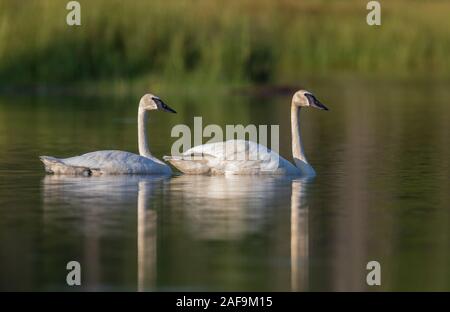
{"x":168,"y":109}
{"x":314,"y":102}
{"x":163,"y":105}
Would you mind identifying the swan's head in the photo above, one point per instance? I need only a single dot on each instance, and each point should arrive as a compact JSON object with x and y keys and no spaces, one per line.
{"x":151,"y":102}
{"x":305,"y":98}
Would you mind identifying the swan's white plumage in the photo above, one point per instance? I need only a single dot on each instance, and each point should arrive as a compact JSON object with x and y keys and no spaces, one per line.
{"x":118,"y":162}
{"x":247,"y":158}
{"x":232,"y":157}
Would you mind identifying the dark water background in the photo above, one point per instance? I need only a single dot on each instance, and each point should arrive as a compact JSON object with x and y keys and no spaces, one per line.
{"x":382,"y":193}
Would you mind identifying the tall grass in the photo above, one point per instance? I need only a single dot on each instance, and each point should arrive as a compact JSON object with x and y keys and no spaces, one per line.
{"x":222,"y":41}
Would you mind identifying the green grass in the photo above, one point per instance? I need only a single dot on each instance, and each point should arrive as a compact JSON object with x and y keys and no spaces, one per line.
{"x":203,"y":42}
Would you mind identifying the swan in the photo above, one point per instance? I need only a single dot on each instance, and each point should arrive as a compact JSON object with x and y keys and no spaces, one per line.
{"x":116,"y":162}
{"x":247,"y":158}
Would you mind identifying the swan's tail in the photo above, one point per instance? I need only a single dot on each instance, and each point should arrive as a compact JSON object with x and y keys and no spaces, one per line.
{"x":57,"y":166}
{"x":189,"y":164}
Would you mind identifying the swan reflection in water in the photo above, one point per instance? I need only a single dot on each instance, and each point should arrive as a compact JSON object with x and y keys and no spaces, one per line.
{"x":101,"y":209}
{"x":235,"y":207}
{"x":213,"y":208}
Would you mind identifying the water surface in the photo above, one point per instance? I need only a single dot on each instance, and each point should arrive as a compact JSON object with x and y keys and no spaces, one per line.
{"x":382,"y":158}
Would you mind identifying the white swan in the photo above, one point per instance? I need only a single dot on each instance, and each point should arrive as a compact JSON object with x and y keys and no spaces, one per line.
{"x":246,"y":157}
{"x":116,"y":162}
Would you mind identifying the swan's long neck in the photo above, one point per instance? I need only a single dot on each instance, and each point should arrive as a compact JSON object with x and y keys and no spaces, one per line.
{"x":298,"y":151}
{"x":297,"y":147}
{"x":142,"y":133}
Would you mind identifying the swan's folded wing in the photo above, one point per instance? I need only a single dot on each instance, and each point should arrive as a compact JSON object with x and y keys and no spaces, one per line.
{"x":233,"y":157}
{"x":230,"y":150}
{"x":197,"y":160}
{"x":57,"y":166}
{"x":118,"y":162}
{"x":189,"y":164}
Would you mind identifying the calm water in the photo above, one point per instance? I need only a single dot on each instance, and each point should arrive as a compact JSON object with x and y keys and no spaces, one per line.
{"x":382,"y":193}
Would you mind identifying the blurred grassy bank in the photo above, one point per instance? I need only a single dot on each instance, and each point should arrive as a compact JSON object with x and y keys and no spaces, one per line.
{"x":219,"y":42}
